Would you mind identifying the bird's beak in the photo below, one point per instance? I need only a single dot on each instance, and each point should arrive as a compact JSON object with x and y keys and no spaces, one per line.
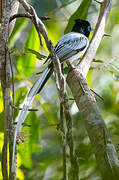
{"x":92,"y":29}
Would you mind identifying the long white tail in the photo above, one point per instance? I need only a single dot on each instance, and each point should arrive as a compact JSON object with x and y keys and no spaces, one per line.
{"x":38,"y":85}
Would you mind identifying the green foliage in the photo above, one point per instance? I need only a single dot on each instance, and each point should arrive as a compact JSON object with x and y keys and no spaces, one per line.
{"x":19,"y":98}
{"x":1,"y":100}
{"x":31,"y":136}
{"x":66,"y":3}
{"x":49,"y":112}
{"x":81,"y":13}
{"x":17,"y":31}
{"x":27,"y":65}
{"x":20,"y":174}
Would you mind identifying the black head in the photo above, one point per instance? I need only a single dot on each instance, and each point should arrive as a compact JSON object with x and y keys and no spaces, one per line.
{"x":82,"y":26}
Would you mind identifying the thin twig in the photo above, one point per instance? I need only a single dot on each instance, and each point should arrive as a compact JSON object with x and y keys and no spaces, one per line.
{"x":23,"y":124}
{"x":12,"y":80}
{"x":39,"y":73}
{"x":97,"y":94}
{"x":99,"y":2}
{"x":19,"y":16}
{"x":26,"y":15}
{"x":60,"y":83}
{"x":65,"y":177}
{"x":109,"y":35}
{"x":15,"y":107}
{"x":37,"y":23}
{"x":71,"y":99}
{"x":61,"y":86}
{"x":73,"y":158}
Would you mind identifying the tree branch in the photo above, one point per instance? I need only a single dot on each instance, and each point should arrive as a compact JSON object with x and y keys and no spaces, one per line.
{"x":37,"y":23}
{"x":14,"y":9}
{"x":26,"y":16}
{"x":64,"y":144}
{"x":104,"y":151}
{"x":85,"y":63}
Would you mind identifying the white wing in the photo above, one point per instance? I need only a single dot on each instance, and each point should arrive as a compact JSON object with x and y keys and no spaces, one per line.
{"x":70,"y":45}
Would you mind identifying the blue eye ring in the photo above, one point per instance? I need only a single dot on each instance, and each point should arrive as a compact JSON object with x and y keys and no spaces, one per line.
{"x":89,"y":28}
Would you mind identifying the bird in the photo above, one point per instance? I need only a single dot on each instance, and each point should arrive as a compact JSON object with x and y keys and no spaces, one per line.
{"x":69,"y":48}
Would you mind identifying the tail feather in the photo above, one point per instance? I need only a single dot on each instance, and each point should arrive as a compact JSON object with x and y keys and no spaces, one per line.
{"x":37,"y":87}
{"x":39,"y":84}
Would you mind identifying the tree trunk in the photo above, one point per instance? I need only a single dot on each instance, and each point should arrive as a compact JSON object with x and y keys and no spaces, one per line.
{"x":5,"y":29}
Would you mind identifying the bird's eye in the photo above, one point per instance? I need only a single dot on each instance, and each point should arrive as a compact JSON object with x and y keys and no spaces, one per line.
{"x":89,"y":28}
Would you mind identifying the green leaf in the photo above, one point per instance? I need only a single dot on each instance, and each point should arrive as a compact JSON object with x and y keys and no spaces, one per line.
{"x":30,"y":145}
{"x":89,"y":76}
{"x":27,"y":65}
{"x":19,"y":98}
{"x":1,"y":100}
{"x":35,"y":131}
{"x":2,"y":116}
{"x":19,"y":26}
{"x":91,"y":68}
{"x":25,"y":153}
{"x":81,"y":13}
{"x":66,"y":70}
{"x":38,"y":55}
{"x":49,"y":113}
{"x":20,"y":95}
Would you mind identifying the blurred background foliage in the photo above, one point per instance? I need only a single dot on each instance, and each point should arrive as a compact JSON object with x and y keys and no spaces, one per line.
{"x":40,"y":154}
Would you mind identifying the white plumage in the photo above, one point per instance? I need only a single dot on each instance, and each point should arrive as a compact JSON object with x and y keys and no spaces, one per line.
{"x":71,"y":46}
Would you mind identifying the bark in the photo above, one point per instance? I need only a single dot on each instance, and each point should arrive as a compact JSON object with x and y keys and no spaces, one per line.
{"x":104,"y":151}
{"x":5,"y":11}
